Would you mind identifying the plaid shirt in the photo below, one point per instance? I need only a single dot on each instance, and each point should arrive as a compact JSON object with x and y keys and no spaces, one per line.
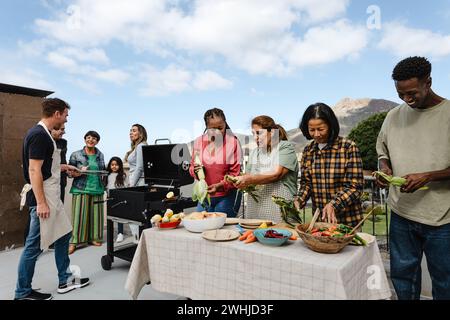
{"x":333,"y":175}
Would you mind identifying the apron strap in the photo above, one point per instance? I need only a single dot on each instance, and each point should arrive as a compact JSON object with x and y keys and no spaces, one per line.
{"x":23,"y":195}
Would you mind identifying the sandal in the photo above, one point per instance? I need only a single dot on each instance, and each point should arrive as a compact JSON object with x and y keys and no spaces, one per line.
{"x":96,"y":243}
{"x":72,"y":248}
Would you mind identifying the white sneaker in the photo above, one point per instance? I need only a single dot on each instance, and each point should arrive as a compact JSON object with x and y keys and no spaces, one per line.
{"x":72,"y":285}
{"x":119,"y":238}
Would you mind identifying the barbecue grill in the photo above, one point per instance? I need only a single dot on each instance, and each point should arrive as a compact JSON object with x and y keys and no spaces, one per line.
{"x":166,"y":169}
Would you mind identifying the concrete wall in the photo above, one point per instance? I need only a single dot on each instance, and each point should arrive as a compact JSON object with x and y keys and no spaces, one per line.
{"x":18,"y":113}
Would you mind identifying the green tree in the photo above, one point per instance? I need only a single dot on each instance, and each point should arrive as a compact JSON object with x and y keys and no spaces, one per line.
{"x":365,"y":136}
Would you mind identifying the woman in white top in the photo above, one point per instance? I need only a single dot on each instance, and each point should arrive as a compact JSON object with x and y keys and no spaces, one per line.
{"x":134,"y":157}
{"x":135,"y":160}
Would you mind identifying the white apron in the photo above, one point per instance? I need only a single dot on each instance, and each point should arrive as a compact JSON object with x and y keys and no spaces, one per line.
{"x":58,"y":224}
{"x":266,"y":209}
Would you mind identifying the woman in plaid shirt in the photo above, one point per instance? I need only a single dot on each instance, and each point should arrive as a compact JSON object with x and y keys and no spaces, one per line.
{"x":331,"y":169}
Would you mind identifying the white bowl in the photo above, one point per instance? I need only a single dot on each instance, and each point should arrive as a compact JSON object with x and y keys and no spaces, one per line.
{"x":199,"y":226}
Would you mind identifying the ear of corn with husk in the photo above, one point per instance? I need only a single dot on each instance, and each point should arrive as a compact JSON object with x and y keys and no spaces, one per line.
{"x":251,"y":189}
{"x":200,"y":191}
{"x":394,"y":181}
{"x":289,"y":212}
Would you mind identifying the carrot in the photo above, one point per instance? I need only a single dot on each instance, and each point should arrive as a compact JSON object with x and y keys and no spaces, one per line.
{"x":250,"y":239}
{"x":245,"y":235}
{"x":293,"y":238}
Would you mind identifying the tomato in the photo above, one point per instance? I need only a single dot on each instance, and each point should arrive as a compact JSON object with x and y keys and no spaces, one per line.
{"x":317,"y":234}
{"x":332,"y":228}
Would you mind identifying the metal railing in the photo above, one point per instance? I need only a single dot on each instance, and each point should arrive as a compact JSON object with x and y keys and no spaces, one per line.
{"x":376,"y":198}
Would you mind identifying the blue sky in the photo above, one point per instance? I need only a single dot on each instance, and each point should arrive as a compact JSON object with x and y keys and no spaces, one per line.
{"x":163,"y":63}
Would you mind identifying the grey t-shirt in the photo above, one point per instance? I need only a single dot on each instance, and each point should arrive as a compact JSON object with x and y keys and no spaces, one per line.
{"x":417,"y":141}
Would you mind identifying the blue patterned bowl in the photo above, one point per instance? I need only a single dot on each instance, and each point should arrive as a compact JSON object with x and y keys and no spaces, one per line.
{"x":276,"y":242}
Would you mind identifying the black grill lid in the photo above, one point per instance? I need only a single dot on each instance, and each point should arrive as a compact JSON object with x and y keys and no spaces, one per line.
{"x":167,"y":164}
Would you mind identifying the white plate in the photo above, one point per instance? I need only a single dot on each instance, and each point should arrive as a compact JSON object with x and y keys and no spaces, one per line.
{"x":231,"y":221}
{"x":255,"y":222}
{"x":221,"y":235}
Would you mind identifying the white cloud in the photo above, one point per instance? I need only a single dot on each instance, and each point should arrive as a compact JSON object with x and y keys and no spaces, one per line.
{"x":259,"y":36}
{"x":404,"y":41}
{"x":34,"y":48}
{"x":175,"y":79}
{"x":24,"y":77}
{"x":93,"y":55}
{"x":255,"y":92}
{"x":328,"y":43}
{"x":163,"y":82}
{"x":88,"y":86}
{"x":207,"y":80}
{"x":61,"y":59}
{"x":112,"y":75}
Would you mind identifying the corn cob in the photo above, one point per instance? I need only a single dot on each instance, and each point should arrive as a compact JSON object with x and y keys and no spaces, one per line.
{"x":200,"y":191}
{"x":251,"y":189}
{"x":394,"y":181}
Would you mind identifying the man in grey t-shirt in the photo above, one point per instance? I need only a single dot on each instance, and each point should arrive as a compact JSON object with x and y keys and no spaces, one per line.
{"x":414,"y":143}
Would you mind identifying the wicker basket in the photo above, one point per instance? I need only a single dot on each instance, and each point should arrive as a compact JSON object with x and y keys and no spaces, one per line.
{"x":322,"y":244}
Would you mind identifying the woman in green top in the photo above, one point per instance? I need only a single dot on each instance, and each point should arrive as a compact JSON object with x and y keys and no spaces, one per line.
{"x":272,"y":166}
{"x":87,"y":194}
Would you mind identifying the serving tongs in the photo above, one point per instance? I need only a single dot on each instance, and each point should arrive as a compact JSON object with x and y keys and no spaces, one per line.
{"x":94,"y":172}
{"x":313,"y":221}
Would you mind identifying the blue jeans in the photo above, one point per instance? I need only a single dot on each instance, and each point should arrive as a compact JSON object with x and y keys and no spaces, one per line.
{"x":32,"y":251}
{"x":228,"y":204}
{"x":409,"y":240}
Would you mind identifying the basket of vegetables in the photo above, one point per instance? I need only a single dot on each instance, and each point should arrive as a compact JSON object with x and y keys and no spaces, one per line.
{"x":326,"y":237}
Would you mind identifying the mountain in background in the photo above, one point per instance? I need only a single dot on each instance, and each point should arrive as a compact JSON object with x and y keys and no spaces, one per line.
{"x":349,"y":112}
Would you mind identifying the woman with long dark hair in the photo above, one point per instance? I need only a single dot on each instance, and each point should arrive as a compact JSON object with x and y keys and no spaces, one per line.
{"x":135,"y":160}
{"x":134,"y":157}
{"x":331,"y":168}
{"x":116,"y":178}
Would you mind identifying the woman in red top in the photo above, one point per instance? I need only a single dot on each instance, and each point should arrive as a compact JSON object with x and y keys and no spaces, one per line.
{"x":220,"y":153}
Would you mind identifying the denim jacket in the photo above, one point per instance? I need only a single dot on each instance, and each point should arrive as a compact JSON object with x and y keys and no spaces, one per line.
{"x":79,"y":159}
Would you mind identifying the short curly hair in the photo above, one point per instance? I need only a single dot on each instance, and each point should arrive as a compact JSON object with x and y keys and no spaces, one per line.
{"x":412,"y":67}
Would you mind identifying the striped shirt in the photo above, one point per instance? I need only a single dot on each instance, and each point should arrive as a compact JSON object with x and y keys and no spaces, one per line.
{"x":333,"y":175}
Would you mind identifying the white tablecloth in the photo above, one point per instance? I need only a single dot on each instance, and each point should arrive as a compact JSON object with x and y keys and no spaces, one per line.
{"x":183,"y":263}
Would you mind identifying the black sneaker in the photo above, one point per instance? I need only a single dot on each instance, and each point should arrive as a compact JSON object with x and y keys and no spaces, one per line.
{"x":34,"y":295}
{"x":74,"y":284}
